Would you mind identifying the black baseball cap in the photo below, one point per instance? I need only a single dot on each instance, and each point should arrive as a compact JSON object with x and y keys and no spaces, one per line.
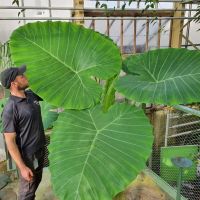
{"x":9,"y":75}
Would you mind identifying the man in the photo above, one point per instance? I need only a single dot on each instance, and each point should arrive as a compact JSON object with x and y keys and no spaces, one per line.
{"x":23,"y":131}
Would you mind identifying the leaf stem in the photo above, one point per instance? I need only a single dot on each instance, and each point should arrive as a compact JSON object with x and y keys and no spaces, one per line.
{"x":109,"y":93}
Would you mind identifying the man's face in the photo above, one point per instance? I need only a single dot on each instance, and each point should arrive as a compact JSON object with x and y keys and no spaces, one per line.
{"x":21,"y":82}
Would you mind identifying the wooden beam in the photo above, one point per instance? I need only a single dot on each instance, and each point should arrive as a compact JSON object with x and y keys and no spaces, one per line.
{"x":93,"y":24}
{"x":147,"y":35}
{"x":127,"y":13}
{"x":159,"y":33}
{"x":176,"y":31}
{"x":108,"y":27}
{"x":122,"y":36}
{"x":78,"y":4}
{"x":189,"y":41}
{"x":134,"y":35}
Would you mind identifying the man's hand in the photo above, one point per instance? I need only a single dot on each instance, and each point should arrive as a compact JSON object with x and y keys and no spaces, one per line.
{"x":26,"y":173}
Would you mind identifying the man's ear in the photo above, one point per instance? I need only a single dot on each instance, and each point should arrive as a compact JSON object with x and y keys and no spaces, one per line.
{"x":12,"y":84}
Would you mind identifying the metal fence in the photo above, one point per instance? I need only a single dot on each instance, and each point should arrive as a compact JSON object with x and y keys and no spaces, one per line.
{"x":181,"y":139}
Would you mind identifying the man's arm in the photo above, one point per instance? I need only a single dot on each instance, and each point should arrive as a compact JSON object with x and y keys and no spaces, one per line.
{"x":10,"y":139}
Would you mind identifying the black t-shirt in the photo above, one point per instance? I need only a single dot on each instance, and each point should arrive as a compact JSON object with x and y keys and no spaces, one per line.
{"x":23,"y":116}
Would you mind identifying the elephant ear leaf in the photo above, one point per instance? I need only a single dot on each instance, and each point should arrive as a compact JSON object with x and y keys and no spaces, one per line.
{"x":163,"y":76}
{"x":63,"y":59}
{"x":95,"y":155}
{"x":49,"y":115}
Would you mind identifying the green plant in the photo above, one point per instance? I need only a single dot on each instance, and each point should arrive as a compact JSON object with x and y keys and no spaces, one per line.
{"x":162,"y":76}
{"x":97,"y":146}
{"x":49,"y":114}
{"x":5,"y":61}
{"x":2,"y":104}
{"x":5,"y":57}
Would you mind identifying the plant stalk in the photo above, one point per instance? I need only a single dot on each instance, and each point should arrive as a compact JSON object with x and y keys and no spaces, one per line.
{"x":109,"y":93}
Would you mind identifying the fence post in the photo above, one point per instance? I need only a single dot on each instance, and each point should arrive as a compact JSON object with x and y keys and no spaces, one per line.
{"x":176,"y":32}
{"x":79,"y":4}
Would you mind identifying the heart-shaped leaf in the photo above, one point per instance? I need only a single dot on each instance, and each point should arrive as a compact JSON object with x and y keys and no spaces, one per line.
{"x":63,"y":59}
{"x":48,"y":115}
{"x":95,"y":155}
{"x":163,"y":76}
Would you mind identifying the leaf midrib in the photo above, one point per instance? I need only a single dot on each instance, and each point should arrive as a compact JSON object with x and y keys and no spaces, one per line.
{"x":88,"y":155}
{"x":91,"y":147}
{"x":172,"y":78}
{"x":56,"y":58}
{"x":34,"y":43}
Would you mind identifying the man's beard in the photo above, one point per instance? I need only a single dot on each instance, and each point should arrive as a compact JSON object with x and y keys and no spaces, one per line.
{"x":22,"y":87}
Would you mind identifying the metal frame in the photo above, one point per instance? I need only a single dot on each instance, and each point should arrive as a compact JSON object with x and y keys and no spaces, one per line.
{"x":172,"y":1}
{"x":92,"y":18}
{"x":71,"y":8}
{"x":187,"y":110}
{"x":110,"y":19}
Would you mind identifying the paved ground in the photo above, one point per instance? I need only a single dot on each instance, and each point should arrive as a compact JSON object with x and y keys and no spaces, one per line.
{"x":44,"y":191}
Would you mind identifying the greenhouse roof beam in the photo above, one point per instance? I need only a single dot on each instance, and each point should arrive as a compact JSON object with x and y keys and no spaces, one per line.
{"x":128,"y":13}
{"x":91,"y":18}
{"x":86,"y":9}
{"x":168,"y":1}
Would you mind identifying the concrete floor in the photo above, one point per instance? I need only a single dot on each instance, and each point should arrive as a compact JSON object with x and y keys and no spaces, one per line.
{"x":44,"y":191}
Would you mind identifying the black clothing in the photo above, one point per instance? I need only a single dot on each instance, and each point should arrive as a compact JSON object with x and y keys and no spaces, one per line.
{"x":27,"y":189}
{"x":23,"y":116}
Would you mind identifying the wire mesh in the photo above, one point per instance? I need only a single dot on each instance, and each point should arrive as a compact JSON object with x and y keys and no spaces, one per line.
{"x":46,"y":151}
{"x":182,"y":138}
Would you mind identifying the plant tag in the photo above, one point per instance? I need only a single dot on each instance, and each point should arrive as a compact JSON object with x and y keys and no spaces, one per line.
{"x":35,"y":163}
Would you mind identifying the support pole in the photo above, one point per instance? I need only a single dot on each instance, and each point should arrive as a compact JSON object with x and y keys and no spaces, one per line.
{"x":176,"y":32}
{"x":79,"y":4}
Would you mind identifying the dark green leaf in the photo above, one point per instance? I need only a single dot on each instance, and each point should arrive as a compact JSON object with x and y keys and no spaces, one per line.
{"x":147,"y":7}
{"x":124,"y":6}
{"x":103,"y":5}
{"x":16,"y":2}
{"x":152,"y":5}
{"x":130,"y":2}
{"x":97,"y":4}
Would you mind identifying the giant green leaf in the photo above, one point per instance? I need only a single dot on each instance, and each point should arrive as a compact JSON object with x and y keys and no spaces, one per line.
{"x":95,"y":155}
{"x":49,"y":115}
{"x":163,"y":76}
{"x":63,"y":59}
